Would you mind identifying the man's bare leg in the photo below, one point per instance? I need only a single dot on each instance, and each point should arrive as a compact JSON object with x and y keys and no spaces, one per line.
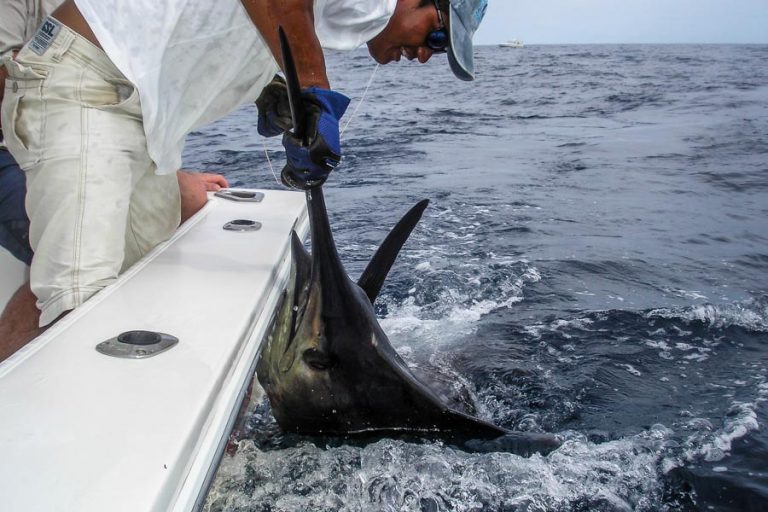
{"x":19,"y":322}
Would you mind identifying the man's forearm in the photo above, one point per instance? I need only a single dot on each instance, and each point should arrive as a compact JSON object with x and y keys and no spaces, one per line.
{"x":296,"y":17}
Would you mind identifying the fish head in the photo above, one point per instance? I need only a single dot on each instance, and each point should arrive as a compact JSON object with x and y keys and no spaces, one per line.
{"x":329,"y":376}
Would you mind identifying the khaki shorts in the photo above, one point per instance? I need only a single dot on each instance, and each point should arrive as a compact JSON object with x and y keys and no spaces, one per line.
{"x":73,"y":122}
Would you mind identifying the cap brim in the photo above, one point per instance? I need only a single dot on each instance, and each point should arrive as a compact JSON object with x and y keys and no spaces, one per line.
{"x":460,"y":52}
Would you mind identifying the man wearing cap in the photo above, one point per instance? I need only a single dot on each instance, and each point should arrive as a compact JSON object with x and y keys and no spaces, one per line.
{"x":109,"y":89}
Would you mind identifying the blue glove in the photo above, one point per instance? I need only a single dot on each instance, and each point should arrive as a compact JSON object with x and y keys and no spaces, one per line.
{"x":309,"y":165}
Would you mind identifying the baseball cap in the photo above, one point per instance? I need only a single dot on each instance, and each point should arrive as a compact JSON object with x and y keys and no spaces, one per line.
{"x":464,"y":18}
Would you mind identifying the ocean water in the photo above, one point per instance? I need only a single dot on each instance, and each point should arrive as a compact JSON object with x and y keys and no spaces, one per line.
{"x":593,"y":263}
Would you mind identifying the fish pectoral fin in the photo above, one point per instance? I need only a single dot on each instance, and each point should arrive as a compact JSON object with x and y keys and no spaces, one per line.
{"x":372,"y":278}
{"x":302,"y":269}
{"x":301,"y":259}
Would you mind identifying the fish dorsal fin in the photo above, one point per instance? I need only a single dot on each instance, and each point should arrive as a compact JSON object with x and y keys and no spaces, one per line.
{"x":376,"y":272}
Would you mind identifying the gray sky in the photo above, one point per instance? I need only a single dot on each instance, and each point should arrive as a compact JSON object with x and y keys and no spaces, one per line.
{"x":625,"y":21}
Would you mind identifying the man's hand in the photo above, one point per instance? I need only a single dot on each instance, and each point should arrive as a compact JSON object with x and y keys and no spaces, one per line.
{"x":193,"y":187}
{"x":310,"y":164}
{"x":212,"y":182}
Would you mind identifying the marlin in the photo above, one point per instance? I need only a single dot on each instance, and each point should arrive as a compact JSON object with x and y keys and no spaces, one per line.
{"x":328,"y":368}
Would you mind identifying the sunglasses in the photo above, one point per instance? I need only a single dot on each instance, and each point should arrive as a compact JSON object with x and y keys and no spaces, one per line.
{"x":438,"y":40}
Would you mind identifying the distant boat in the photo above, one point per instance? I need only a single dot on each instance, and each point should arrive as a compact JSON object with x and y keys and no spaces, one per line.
{"x":514,"y":43}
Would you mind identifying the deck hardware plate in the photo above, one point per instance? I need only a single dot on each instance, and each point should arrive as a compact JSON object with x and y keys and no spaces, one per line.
{"x":242,"y":225}
{"x":137,"y":344}
{"x":248,"y":196}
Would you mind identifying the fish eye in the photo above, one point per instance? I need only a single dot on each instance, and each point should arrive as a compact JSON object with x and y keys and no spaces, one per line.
{"x":317,"y":360}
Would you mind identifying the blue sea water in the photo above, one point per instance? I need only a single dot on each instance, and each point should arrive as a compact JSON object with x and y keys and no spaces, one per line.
{"x":593,"y":263}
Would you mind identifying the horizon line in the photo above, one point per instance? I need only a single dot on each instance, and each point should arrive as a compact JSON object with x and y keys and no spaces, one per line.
{"x":632,"y":43}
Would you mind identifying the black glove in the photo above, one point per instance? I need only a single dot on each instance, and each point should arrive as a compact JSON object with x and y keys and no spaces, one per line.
{"x":274,"y":109}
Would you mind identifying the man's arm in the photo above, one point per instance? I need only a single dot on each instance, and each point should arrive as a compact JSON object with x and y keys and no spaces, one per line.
{"x":310,"y":159}
{"x":297,"y":19}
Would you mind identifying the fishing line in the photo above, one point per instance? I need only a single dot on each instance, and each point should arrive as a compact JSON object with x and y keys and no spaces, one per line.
{"x":357,"y":107}
{"x":269,"y":160}
{"x":341,"y":133}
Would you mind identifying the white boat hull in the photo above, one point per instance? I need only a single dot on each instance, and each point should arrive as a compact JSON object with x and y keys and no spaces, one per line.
{"x":89,"y":432}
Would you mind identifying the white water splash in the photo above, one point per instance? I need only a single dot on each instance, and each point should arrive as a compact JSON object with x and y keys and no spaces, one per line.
{"x":392,"y":475}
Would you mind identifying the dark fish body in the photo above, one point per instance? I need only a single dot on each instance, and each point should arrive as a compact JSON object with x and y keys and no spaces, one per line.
{"x":328,"y":367}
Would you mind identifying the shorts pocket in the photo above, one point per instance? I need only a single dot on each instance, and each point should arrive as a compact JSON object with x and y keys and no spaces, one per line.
{"x":127,"y":97}
{"x":23,"y":114}
{"x":22,"y":134}
{"x":110,"y":94}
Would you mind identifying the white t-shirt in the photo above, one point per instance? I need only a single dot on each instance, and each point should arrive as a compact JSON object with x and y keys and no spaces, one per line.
{"x":194,"y":61}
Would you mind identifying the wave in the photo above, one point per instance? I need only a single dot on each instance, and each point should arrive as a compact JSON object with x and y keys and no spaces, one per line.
{"x":751,"y":315}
